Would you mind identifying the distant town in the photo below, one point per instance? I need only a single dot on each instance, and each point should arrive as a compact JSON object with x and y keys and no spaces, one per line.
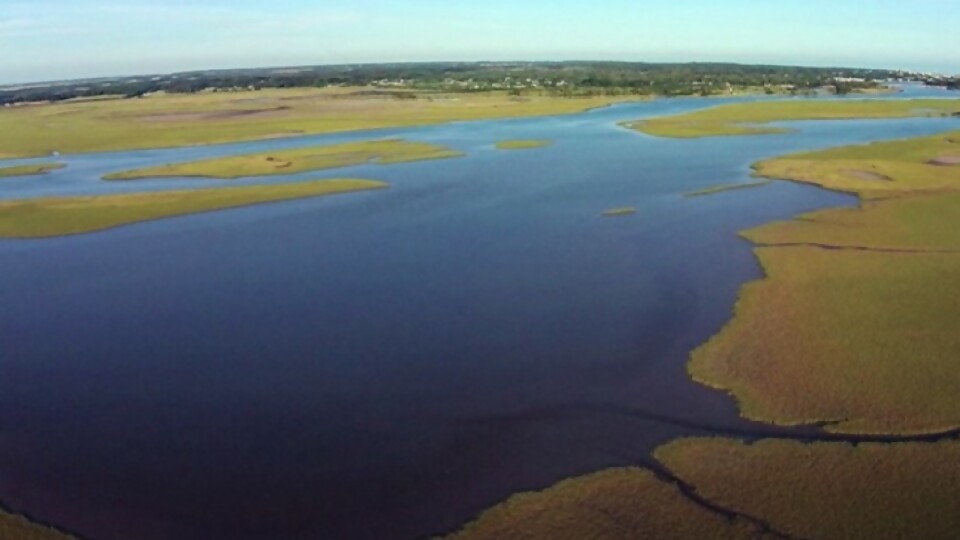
{"x":560,"y":79}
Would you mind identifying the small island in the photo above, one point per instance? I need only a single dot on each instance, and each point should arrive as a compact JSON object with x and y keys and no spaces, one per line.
{"x":29,"y":170}
{"x":301,"y":160}
{"x":520,"y":144}
{"x":724,"y":188}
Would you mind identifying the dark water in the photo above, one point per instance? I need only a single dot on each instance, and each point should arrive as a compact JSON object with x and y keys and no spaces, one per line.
{"x":381,"y":365}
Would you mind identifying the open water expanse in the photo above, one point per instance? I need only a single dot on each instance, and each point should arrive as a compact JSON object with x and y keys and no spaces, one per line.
{"x":382,"y":365}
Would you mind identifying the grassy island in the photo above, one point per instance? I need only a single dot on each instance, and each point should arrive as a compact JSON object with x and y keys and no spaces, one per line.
{"x":297,"y":161}
{"x":171,"y":120}
{"x":15,"y":527}
{"x":523,"y":144}
{"x":753,"y":118}
{"x":620,"y":212}
{"x":29,"y":170}
{"x":62,"y":216}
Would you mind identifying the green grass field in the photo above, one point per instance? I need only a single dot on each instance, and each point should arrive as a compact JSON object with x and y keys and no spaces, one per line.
{"x":61,"y":216}
{"x":617,"y":504}
{"x":301,"y":160}
{"x":752,"y":118}
{"x":829,"y":491}
{"x":864,"y":334}
{"x":29,"y":170}
{"x":13,"y":527}
{"x":185,"y":120}
{"x":520,"y":144}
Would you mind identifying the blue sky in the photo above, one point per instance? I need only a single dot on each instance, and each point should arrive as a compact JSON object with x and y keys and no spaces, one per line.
{"x":53,"y":39}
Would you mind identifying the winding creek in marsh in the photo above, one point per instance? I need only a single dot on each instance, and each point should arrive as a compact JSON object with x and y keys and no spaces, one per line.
{"x":382,"y":365}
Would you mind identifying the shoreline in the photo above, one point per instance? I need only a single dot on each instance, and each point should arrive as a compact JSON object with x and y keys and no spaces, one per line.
{"x":893,"y":440}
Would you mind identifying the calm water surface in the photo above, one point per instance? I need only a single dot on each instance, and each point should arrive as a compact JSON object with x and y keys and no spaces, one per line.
{"x":380,"y":365}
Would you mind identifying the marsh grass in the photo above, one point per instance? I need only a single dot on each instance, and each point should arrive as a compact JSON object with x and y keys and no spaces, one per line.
{"x":863,"y":335}
{"x":29,"y":170}
{"x":523,"y":144}
{"x":301,"y":160}
{"x":61,"y":216}
{"x":616,"y":504}
{"x":906,"y":167}
{"x":752,"y":118}
{"x":864,"y":340}
{"x":14,"y":527}
{"x":829,"y":491}
{"x":915,"y":223}
{"x":161,"y":121}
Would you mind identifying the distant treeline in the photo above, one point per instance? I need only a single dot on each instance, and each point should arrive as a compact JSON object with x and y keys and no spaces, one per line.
{"x":553,"y":78}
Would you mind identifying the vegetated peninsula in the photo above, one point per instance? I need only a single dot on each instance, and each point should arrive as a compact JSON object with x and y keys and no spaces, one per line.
{"x":29,"y":170}
{"x":753,"y":118}
{"x":62,"y":216}
{"x":301,"y":160}
{"x":865,"y":335}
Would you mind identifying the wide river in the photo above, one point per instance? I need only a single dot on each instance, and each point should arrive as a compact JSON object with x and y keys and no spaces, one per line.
{"x":382,"y":365}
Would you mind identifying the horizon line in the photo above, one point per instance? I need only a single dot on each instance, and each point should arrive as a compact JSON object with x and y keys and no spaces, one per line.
{"x":434,"y":62}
